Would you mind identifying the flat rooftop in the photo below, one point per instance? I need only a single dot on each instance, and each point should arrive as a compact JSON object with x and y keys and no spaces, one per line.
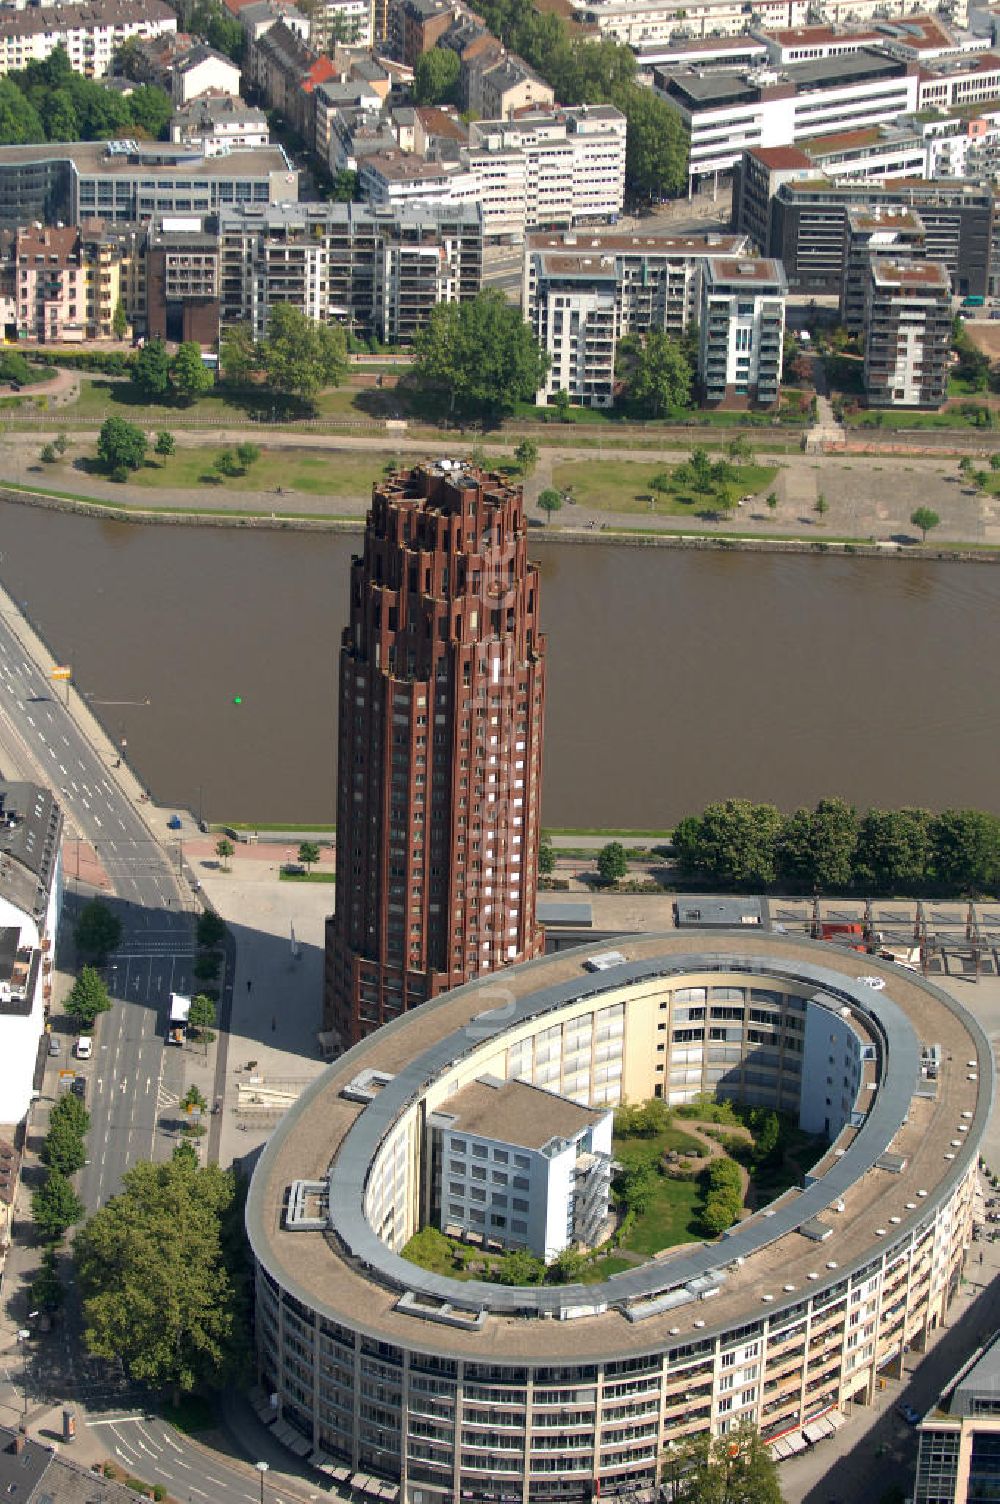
{"x":926,"y":275}
{"x":514,"y":1112}
{"x":924,"y":1129}
{"x":92,"y":157}
{"x":579,"y":242}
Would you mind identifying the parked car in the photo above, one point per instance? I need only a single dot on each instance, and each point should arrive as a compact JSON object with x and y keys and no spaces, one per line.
{"x":84,"y":1047}
{"x":78,"y":1086}
{"x":55,"y":1047}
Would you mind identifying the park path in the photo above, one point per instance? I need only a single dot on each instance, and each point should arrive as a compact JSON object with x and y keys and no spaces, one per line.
{"x":864,"y":496}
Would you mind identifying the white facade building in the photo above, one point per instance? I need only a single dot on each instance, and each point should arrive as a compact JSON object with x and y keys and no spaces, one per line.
{"x":725,"y":114}
{"x":91,"y":34}
{"x":522,"y":1167}
{"x":30,"y":899}
{"x":204,"y":71}
{"x":741,"y":332}
{"x":582,"y":293}
{"x":218,"y":123}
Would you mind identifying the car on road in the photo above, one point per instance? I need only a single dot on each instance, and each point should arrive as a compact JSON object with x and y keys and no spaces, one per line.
{"x":55,"y":1047}
{"x":907,"y":1413}
{"x":84,"y":1047}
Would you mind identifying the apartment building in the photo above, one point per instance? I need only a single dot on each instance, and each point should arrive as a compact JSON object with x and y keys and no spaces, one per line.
{"x":219,"y":123}
{"x":521,"y":1167}
{"x":286,"y":71}
{"x":31,"y":889}
{"x":890,"y":230}
{"x":387,"y":179}
{"x":641,"y":23}
{"x":91,"y":33}
{"x":261,"y":15}
{"x":350,"y":23}
{"x":49,"y":284}
{"x":959,"y":1437}
{"x":807,"y":226}
{"x":583,"y":293}
{"x":203,"y":70}
{"x":126,"y":182}
{"x":182,"y":259}
{"x":417,"y":26}
{"x":907,"y":328}
{"x":724,"y":114}
{"x":954,"y":82}
{"x":498,"y":88}
{"x":741,"y":330}
{"x":379,"y":272}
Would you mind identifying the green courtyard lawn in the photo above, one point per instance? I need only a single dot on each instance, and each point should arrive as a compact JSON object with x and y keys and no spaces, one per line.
{"x":625,"y":486}
{"x":332,"y":472}
{"x":949,"y":417}
{"x":673,"y":1213}
{"x":102,"y":396}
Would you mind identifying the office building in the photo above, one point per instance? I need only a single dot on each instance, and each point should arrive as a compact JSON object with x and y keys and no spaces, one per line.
{"x":584,"y":292}
{"x":959,"y":1438}
{"x":442,"y":683}
{"x":521,"y":1167}
{"x":882,"y":230}
{"x":907,"y":329}
{"x":723,"y":114}
{"x":806,"y":228}
{"x":378,"y":272}
{"x":791,"y":1319}
{"x":31,"y":883}
{"x":741,"y":330}
{"x":90,"y":34}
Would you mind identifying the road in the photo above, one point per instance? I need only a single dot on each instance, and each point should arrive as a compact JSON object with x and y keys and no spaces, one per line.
{"x":131,"y":1075}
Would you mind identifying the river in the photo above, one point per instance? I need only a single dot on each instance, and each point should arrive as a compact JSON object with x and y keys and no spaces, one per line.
{"x":673,"y":677}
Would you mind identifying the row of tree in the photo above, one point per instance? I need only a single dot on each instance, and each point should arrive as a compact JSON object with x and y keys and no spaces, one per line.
{"x":157,"y":376}
{"x":47,"y":101}
{"x":55,"y":1206}
{"x":480,"y":355}
{"x":834,"y":848}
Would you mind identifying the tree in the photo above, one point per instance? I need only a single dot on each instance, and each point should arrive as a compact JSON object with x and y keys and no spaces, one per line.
{"x":150,"y":373}
{"x":48,"y":454}
{"x":526,"y":452}
{"x":926,"y":520}
{"x":821,"y":505}
{"x":87,"y":998}
{"x":655,"y":146}
{"x":227,"y":464}
{"x":166,"y":444}
{"x":660,"y":380}
{"x":46,"y":1291}
{"x":562,"y":404}
{"x":238,"y":355}
{"x":119,"y":321}
{"x":189,"y":375}
{"x":995,"y":460}
{"x":63,"y":1149}
{"x":97,"y":931}
{"x":206,"y":966}
{"x":248,"y":454}
{"x":612,"y":863}
{"x":700,"y":467}
{"x":344,"y":189}
{"x":211,"y":930}
{"x":816,"y":848}
{"x":224,"y":849}
{"x":121,"y":444}
{"x":70,"y":1111}
{"x":550,"y":501}
{"x":308,"y":853}
{"x":965,"y":847}
{"x":733,"y":1469}
{"x":201,"y":1016}
{"x":734,"y":842}
{"x":55,"y":1206}
{"x":436,"y":77}
{"x":20,"y":122}
{"x":567,"y":1267}
{"x":480,"y":354}
{"x":519,"y":1267}
{"x":60,"y":443}
{"x":739,"y":450}
{"x":662,"y":483}
{"x":300,"y":356}
{"x":150,"y":108}
{"x":894,"y":850}
{"x":165,"y":1234}
{"x":772,"y":501}
{"x":546,"y":856}
{"x":14,"y":368}
{"x":193,"y":1100}
{"x":966,"y":464}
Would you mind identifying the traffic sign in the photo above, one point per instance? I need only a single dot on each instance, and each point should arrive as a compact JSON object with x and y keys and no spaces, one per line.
{"x":61,"y":671}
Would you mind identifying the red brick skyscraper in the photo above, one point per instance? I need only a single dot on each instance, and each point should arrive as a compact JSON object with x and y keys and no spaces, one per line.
{"x":442,"y":687}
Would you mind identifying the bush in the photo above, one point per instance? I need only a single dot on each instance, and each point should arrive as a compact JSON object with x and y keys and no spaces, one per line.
{"x":120,"y":474}
{"x":49,"y":454}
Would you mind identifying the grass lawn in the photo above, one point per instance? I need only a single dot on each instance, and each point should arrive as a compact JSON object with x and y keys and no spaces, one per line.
{"x":605,"y":1268}
{"x":315,"y":472}
{"x":672,"y":1218}
{"x":306,"y":877}
{"x":624,"y":486}
{"x":950,"y":417}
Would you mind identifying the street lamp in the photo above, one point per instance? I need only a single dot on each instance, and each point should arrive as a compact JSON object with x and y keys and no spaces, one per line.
{"x":22,"y":1338}
{"x":263,"y":1468}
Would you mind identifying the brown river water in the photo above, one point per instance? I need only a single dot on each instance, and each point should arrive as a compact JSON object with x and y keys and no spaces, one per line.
{"x":673,"y":677}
